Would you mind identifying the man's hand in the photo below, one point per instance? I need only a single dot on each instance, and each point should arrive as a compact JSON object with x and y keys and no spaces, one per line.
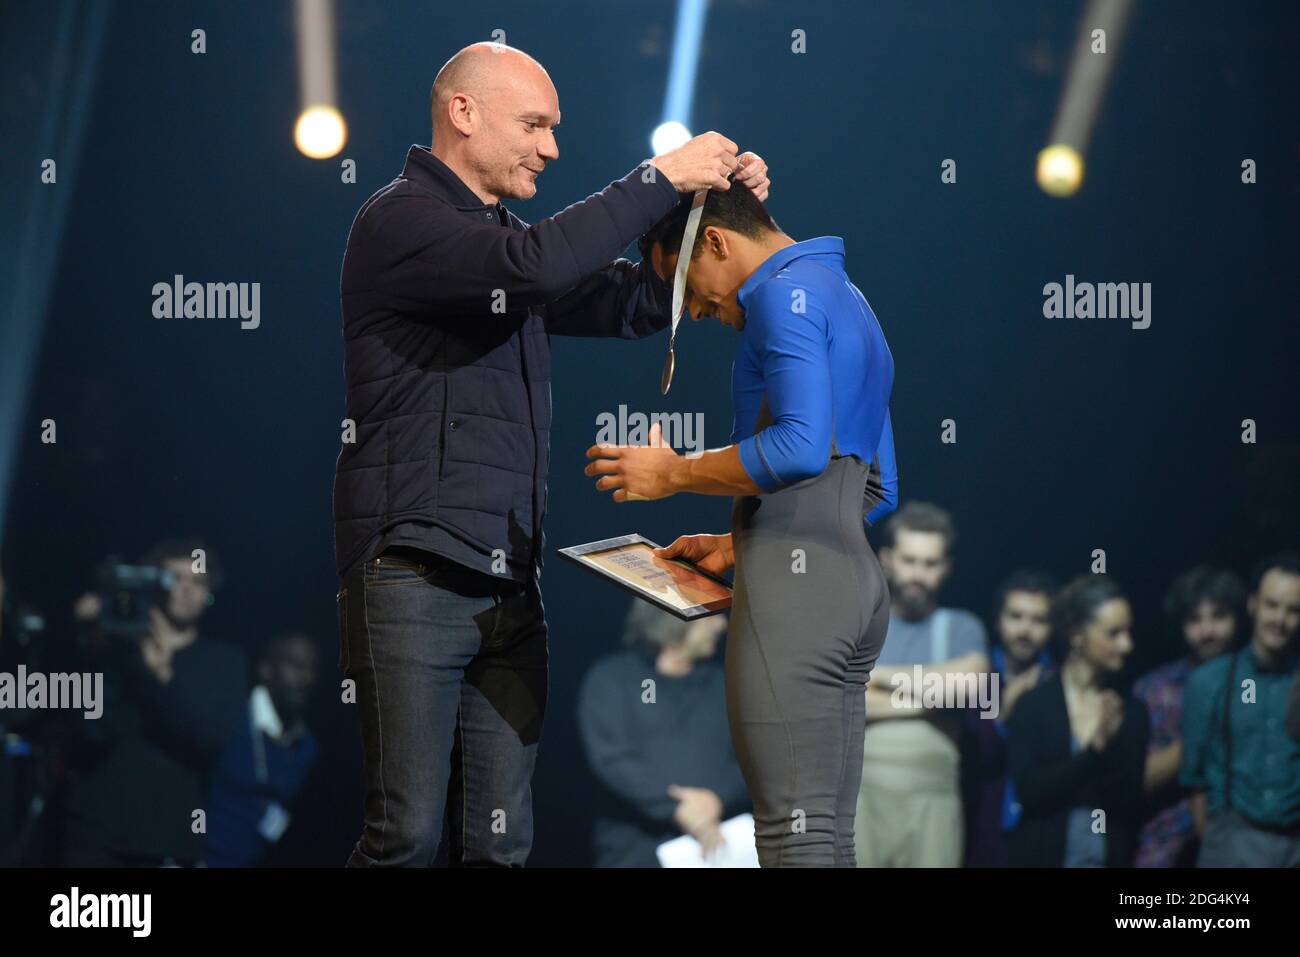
{"x":636,"y":472}
{"x":156,"y":647}
{"x":157,"y":658}
{"x":752,"y":172}
{"x":699,"y":810}
{"x":703,"y":162}
{"x":1027,"y":680}
{"x":713,"y":553}
{"x":162,"y":641}
{"x":711,"y":843}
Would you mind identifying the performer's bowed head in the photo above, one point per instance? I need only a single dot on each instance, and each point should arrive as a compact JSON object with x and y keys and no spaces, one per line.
{"x":735,"y":235}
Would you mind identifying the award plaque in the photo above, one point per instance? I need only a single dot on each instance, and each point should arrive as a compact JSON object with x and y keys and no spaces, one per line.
{"x":675,"y":585}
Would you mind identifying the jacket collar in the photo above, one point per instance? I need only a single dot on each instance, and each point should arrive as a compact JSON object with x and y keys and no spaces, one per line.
{"x":426,"y":169}
{"x":821,"y":246}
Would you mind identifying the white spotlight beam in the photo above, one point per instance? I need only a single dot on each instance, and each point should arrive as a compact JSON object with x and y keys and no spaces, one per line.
{"x":320,"y":131}
{"x":680,"y":96}
{"x":314,"y":22}
{"x":1089,"y":73}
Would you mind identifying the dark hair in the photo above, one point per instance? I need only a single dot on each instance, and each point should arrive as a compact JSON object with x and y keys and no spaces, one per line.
{"x":1027,"y":580}
{"x":920,"y":517}
{"x":1288,"y":562}
{"x":737,"y":209}
{"x":1203,"y":583}
{"x":1074,"y":607}
{"x":184,"y":548}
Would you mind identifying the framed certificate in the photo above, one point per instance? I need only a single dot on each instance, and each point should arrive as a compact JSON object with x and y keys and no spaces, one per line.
{"x":674,"y":585}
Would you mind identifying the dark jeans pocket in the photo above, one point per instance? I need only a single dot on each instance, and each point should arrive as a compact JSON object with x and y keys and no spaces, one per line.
{"x":342,"y":601}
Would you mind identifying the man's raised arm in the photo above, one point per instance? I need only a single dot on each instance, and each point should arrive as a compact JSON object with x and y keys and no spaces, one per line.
{"x":420,"y":253}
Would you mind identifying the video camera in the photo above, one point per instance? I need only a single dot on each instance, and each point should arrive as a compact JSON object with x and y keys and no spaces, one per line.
{"x":127,"y":592}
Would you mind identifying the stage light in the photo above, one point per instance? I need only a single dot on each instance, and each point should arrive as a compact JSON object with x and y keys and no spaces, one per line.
{"x":674,"y":127}
{"x":320,"y":132}
{"x":1096,"y":50}
{"x":668,"y":136}
{"x":1060,"y":170}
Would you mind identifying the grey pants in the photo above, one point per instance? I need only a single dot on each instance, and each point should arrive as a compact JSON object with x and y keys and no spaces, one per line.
{"x":809,"y":618}
{"x":1232,"y":841}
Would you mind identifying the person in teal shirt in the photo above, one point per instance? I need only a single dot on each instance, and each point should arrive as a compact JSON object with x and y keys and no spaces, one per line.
{"x":1236,"y":750}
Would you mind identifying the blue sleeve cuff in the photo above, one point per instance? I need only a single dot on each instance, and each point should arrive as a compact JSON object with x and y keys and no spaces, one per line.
{"x":755,"y":463}
{"x":880,"y":511}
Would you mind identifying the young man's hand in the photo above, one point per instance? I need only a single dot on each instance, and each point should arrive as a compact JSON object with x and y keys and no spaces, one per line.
{"x":752,"y":171}
{"x":713,"y":553}
{"x":699,"y":810}
{"x":636,"y":472}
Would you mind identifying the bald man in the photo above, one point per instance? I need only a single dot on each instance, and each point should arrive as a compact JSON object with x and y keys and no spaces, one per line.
{"x":448,"y":304}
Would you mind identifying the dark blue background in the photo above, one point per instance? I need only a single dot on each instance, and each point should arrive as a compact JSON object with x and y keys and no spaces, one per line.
{"x":1072,"y":435}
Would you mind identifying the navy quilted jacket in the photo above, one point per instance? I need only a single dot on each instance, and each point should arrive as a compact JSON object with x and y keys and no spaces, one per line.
{"x":448,"y":306}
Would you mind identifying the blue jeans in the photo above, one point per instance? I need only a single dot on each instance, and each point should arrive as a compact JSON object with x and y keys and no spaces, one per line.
{"x":450,"y":667}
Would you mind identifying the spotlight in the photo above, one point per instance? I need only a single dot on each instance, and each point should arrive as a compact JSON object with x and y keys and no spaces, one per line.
{"x":668,"y":136}
{"x":1096,"y":47}
{"x":1060,"y":170}
{"x":674,"y":130}
{"x":320,"y":132}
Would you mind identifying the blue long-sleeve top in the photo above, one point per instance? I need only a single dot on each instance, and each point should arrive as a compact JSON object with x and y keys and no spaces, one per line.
{"x":814,"y":351}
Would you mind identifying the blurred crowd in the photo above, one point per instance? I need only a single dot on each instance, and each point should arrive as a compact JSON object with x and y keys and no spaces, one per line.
{"x":193,"y":753}
{"x":1071,"y":763}
{"x":201,"y":747}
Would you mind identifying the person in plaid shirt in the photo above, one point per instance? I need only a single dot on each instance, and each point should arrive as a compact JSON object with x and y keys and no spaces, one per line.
{"x":1205,"y":605}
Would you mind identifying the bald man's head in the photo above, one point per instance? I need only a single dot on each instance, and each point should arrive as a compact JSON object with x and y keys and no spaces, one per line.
{"x":480,"y":69}
{"x":494,"y":114}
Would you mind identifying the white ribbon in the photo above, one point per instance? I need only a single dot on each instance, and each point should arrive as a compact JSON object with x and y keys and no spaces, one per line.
{"x":684,"y":257}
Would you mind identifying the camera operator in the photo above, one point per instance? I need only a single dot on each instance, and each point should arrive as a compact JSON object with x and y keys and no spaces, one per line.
{"x":172,"y":699}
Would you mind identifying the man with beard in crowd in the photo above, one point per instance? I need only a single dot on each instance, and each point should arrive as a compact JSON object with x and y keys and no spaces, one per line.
{"x":909,"y":804}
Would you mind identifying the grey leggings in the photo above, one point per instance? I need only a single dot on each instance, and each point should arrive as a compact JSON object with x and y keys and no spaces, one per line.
{"x":808,"y":621}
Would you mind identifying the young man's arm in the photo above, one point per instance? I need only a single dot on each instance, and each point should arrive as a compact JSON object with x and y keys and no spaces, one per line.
{"x":886,"y":471}
{"x":796,"y":446}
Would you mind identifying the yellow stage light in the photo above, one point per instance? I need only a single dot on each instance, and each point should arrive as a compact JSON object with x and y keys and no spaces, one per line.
{"x":1060,"y":170}
{"x":320,"y":132}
